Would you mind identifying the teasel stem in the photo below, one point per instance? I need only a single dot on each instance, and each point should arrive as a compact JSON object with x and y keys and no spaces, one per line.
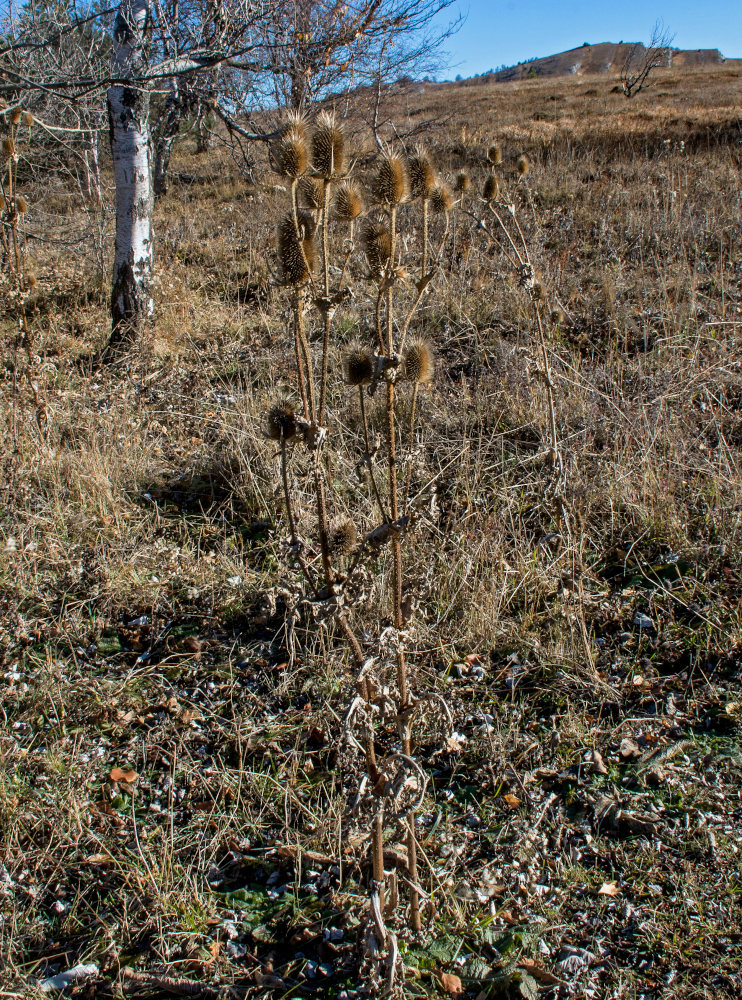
{"x":549,"y":383}
{"x":403,"y":713}
{"x":295,"y":213}
{"x":290,"y":517}
{"x":377,"y":853}
{"x":367,"y":445}
{"x":426,"y":202}
{"x":351,"y":237}
{"x":299,"y":347}
{"x":327,"y":320}
{"x":415,"y":922}
{"x":410,"y":442}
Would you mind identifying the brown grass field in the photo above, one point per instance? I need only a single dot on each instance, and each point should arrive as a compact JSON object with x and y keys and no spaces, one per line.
{"x":581,"y":834}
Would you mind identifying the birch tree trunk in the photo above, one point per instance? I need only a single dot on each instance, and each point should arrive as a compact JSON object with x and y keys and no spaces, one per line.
{"x":128,"y":115}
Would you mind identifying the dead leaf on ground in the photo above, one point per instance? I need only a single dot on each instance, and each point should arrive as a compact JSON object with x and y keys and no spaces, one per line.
{"x":123,"y":776}
{"x":451,"y":984}
{"x":512,"y":800}
{"x":609,"y":889}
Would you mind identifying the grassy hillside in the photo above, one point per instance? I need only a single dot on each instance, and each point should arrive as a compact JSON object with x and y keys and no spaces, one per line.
{"x":176,"y":786}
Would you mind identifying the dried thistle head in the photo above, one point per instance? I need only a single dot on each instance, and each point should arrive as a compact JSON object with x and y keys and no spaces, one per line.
{"x":296,"y":248}
{"x":21,"y":204}
{"x":491,"y":188}
{"x":343,"y":537}
{"x":463,"y":182}
{"x":359,"y":365}
{"x":15,"y":116}
{"x":441,"y":200}
{"x":328,"y":147}
{"x":522,"y":164}
{"x":8,"y":147}
{"x":421,"y":173}
{"x":289,"y":154}
{"x":348,"y":202}
{"x":310,"y":192}
{"x":494,"y":154}
{"x":280,"y":421}
{"x":31,"y":279}
{"x":376,"y":240}
{"x":390,"y":184}
{"x":418,"y":362}
{"x":28,"y":118}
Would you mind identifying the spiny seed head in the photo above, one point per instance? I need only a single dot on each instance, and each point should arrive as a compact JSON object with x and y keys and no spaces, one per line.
{"x":494,"y":154}
{"x":296,"y":249}
{"x":31,"y":280}
{"x":376,"y":241}
{"x":537,"y":292}
{"x":348,"y":202}
{"x":21,"y":204}
{"x":328,"y":147}
{"x":280,"y":421}
{"x":359,"y":365}
{"x":463,"y":182}
{"x":390,"y":183}
{"x":522,"y":164}
{"x":421,"y":173}
{"x":418,"y":362}
{"x":343,"y":537}
{"x":28,"y":118}
{"x":289,"y":151}
{"x":8,"y":146}
{"x":441,"y":200}
{"x":310,"y":192}
{"x":15,"y":116}
{"x":491,"y":188}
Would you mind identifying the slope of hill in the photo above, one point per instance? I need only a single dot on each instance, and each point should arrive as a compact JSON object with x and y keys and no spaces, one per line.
{"x":606,"y":57}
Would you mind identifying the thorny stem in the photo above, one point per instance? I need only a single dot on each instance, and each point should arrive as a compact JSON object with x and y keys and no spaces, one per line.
{"x":327,"y":316}
{"x":369,"y":460}
{"x":410,"y":442}
{"x":425,"y":236}
{"x":377,"y":853}
{"x":415,"y":923}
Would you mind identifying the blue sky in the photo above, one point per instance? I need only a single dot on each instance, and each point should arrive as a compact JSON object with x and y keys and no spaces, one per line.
{"x":503,"y":32}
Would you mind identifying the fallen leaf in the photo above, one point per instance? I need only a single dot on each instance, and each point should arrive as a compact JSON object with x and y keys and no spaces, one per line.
{"x":451,"y":984}
{"x":512,"y":800}
{"x":539,"y":972}
{"x":629,"y":749}
{"x":609,"y":889}
{"x":123,"y":777}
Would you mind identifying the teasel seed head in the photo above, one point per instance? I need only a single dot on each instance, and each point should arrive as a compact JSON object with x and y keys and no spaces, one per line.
{"x":463,"y":182}
{"x":418,"y":362}
{"x":343,"y":537}
{"x":359,"y":365}
{"x":491,"y":188}
{"x":28,"y":118}
{"x":21,"y":204}
{"x":348,"y":202}
{"x":15,"y":116}
{"x":494,"y":154}
{"x":390,"y":183}
{"x":538,"y":293}
{"x":328,"y":147}
{"x":522,"y":164}
{"x":289,"y":151}
{"x":421,"y":173}
{"x":281,"y":421}
{"x":295,"y":264}
{"x":376,"y":240}
{"x":441,"y":200}
{"x":8,"y":147}
{"x":31,"y":280}
{"x":310,"y":192}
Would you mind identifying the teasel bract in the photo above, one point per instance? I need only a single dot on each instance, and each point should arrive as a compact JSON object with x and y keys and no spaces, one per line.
{"x":296,"y":248}
{"x":422,"y":174}
{"x":348,"y":202}
{"x":328,"y":147}
{"x":418,"y":363}
{"x":390,"y":184}
{"x":376,"y":240}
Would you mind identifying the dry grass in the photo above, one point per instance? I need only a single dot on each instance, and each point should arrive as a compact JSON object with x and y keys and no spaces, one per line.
{"x":141,"y":539}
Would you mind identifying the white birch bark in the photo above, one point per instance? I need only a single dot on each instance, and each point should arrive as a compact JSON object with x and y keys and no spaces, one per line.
{"x":128,"y":113}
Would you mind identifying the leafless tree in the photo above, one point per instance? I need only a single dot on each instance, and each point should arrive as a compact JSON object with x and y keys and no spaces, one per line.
{"x":641,"y":60}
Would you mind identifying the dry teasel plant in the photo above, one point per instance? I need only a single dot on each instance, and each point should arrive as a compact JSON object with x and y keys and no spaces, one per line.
{"x":333,"y":255}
